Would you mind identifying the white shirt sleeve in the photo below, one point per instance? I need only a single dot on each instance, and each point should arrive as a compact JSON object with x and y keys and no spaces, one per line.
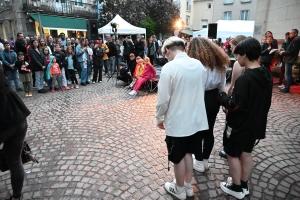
{"x":163,"y":96}
{"x":90,"y":51}
{"x":50,"y":52}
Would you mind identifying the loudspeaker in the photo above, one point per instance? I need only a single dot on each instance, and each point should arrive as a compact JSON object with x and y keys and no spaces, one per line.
{"x":212,"y":30}
{"x":92,"y":29}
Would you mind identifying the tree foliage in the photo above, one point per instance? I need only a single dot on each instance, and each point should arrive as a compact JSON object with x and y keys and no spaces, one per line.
{"x":163,"y":12}
{"x":150,"y":26}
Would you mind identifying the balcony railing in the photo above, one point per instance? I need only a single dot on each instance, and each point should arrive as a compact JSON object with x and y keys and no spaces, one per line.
{"x":63,"y":7}
{"x":228,"y":1}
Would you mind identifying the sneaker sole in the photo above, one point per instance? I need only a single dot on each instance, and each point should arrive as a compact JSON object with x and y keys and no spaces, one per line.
{"x":232,"y":193}
{"x":246,"y":192}
{"x":197,"y":169}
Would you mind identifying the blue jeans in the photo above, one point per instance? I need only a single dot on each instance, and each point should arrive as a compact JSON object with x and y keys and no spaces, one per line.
{"x":12,"y":76}
{"x":288,"y":76}
{"x":106,"y":62}
{"x":89,"y":69}
{"x":119,"y":60}
{"x":39,"y":79}
{"x":112,"y":63}
{"x":83,"y":73}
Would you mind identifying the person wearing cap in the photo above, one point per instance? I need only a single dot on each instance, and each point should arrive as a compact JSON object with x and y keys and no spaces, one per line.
{"x":100,"y":51}
{"x":25,"y":74}
{"x":124,"y":74}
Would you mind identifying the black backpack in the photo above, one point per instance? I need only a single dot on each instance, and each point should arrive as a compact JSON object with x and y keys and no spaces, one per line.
{"x":100,"y":52}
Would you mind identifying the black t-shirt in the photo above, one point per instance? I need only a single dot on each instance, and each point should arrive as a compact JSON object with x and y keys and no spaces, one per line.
{"x":12,"y":109}
{"x":249,"y":105}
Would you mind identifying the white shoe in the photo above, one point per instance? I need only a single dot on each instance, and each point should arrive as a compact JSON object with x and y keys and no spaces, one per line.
{"x":132,"y":93}
{"x":281,"y":86}
{"x":206,"y":164}
{"x":171,"y":188}
{"x":93,"y":82}
{"x":246,"y":191}
{"x":188,"y":190}
{"x":226,"y":187}
{"x":198,"y":165}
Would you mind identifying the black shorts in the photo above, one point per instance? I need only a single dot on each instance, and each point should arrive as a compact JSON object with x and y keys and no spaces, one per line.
{"x":236,"y":148}
{"x":178,"y":147}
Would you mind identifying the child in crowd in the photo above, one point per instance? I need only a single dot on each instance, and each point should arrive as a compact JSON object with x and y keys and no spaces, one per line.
{"x":25,"y":75}
{"x":148,"y":73}
{"x":46,"y":53}
{"x":55,"y":73}
{"x":71,"y":60}
{"x":60,"y":58}
{"x":138,"y":72}
{"x":124,"y":74}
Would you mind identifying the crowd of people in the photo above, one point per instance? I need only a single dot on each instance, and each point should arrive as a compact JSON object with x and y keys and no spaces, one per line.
{"x":37,"y":61}
{"x":191,"y":91}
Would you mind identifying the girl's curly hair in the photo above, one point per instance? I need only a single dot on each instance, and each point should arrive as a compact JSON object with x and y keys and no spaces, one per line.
{"x":209,"y":54}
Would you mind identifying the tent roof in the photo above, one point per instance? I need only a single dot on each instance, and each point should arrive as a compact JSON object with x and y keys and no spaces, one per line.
{"x":124,"y":27}
{"x":230,"y":28}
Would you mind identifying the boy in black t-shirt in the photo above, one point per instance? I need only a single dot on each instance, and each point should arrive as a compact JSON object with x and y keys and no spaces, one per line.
{"x":248,"y":107}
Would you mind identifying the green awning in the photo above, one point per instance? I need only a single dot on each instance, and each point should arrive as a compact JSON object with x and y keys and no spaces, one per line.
{"x":57,"y":22}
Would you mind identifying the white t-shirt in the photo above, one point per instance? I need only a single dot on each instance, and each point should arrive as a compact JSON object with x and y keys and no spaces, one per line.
{"x":215,"y":79}
{"x":180,"y":103}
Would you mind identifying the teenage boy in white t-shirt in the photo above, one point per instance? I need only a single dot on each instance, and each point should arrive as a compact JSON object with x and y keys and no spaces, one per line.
{"x":180,"y":110}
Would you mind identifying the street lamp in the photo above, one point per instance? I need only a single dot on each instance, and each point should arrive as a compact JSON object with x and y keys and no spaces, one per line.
{"x":37,"y":3}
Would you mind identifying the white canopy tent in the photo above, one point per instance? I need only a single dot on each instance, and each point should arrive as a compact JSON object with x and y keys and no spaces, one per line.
{"x":230,"y":28}
{"x":124,"y":27}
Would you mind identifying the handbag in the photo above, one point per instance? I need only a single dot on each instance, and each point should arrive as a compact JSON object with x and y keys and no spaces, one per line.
{"x":25,"y":156}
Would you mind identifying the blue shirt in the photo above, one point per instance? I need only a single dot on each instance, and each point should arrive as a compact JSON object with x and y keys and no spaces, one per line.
{"x":70,"y":62}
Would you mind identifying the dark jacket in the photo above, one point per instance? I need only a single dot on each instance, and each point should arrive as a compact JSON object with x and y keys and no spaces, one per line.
{"x":266,"y":57}
{"x":38,"y":60}
{"x":249,"y":105}
{"x":131,"y":66}
{"x":8,"y":58}
{"x":97,"y":60}
{"x":19,"y":65}
{"x":128,"y":48}
{"x":60,"y":58}
{"x":20,"y":46}
{"x":123,"y":72}
{"x":139,"y":48}
{"x":12,"y":109}
{"x":292,"y":51}
{"x":275,"y":44}
{"x":112,"y":49}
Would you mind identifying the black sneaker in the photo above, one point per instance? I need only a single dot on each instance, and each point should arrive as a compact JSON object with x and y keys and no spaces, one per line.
{"x":87,"y":82}
{"x":42,"y":91}
{"x":228,"y":188}
{"x":223,"y":154}
{"x":83,"y":84}
{"x":284,"y":91}
{"x":19,"y":89}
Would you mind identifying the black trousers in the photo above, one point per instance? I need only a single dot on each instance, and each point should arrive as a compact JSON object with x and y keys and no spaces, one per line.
{"x":33,"y":78}
{"x":97,"y":69}
{"x":126,"y":78}
{"x":212,"y":108}
{"x":282,"y":73}
{"x":13,"y":140}
{"x":73,"y":76}
{"x":151,"y":59}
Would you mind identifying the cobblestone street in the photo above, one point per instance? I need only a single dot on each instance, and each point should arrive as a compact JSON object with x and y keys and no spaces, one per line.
{"x":98,"y":142}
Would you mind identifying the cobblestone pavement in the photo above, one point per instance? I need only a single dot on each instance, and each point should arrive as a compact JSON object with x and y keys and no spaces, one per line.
{"x":97,"y":142}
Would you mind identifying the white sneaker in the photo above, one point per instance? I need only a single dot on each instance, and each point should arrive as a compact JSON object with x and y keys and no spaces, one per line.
{"x":189,"y":190}
{"x":171,"y":188}
{"x":133,"y":92}
{"x":226,"y":187}
{"x":206,"y":164}
{"x":281,"y":86}
{"x":198,"y":165}
{"x":246,"y":191}
{"x":93,"y":82}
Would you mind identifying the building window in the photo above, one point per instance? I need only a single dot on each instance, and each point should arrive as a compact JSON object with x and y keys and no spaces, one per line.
{"x":228,"y":1}
{"x":78,"y":2}
{"x":188,"y":5}
{"x":188,"y":19}
{"x":209,"y":5}
{"x":244,"y":15}
{"x":204,"y":24}
{"x":227,"y":15}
